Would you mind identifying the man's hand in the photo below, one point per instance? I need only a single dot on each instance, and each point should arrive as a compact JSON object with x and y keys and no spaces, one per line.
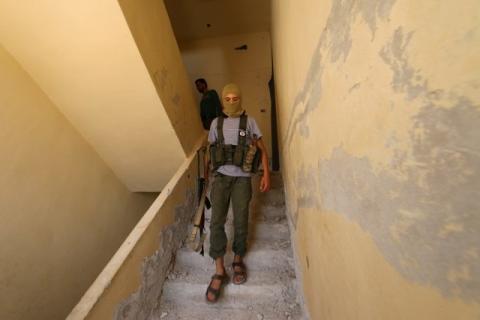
{"x":265,"y":182}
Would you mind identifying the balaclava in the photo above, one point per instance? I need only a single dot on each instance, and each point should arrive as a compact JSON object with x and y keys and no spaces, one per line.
{"x":232,"y":109}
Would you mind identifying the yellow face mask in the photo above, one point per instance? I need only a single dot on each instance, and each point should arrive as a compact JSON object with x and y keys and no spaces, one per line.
{"x":232,"y":101}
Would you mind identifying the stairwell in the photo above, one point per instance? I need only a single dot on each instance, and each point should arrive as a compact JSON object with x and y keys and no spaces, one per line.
{"x":271,"y":289}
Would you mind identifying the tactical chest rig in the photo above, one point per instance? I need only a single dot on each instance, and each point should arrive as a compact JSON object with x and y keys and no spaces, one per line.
{"x":240,"y":155}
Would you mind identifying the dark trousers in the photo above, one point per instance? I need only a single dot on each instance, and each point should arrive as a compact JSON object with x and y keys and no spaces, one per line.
{"x":239,"y":190}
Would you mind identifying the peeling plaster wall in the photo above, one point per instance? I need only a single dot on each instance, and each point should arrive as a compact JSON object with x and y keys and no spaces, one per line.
{"x":379,"y":116}
{"x":63,"y":212}
{"x":216,"y":60}
{"x":150,"y":26}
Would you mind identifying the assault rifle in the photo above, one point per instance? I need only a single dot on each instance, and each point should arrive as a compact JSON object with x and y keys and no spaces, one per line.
{"x":197,"y":236}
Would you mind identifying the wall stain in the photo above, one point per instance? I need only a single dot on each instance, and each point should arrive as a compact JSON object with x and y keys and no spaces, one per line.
{"x":144,"y":303}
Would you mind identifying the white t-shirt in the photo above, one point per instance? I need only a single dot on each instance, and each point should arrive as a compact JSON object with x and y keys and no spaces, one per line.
{"x":230,"y":134}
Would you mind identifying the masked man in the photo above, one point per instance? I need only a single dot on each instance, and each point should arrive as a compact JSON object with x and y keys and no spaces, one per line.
{"x":233,"y":139}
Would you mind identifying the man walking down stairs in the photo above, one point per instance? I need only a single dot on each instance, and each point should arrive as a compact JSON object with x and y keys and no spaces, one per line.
{"x":269,"y":293}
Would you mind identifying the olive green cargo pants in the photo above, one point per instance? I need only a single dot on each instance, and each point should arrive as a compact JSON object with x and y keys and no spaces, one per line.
{"x":239,"y":190}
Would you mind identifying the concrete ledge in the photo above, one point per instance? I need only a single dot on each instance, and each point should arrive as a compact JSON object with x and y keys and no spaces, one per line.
{"x":121,"y":277}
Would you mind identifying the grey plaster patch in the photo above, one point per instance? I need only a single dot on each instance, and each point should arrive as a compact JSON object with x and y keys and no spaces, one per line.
{"x":342,"y":16}
{"x":307,"y":183}
{"x":405,"y":77}
{"x":308,"y":98}
{"x":144,"y":303}
{"x":427,"y":223}
{"x":304,"y":130}
{"x":335,"y":43}
{"x":371,"y":9}
{"x":339,"y":30}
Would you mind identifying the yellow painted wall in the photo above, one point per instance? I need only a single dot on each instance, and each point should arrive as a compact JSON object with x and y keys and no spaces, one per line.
{"x":63,"y":212}
{"x":216,"y":60}
{"x":150,"y":25}
{"x":84,"y":57}
{"x":379,"y":115}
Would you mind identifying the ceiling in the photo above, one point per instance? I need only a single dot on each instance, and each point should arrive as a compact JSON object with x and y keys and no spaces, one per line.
{"x":195,"y":19}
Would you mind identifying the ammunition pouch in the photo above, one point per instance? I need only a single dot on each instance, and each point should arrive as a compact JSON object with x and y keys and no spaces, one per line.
{"x":234,"y":155}
{"x":222,"y":154}
{"x":256,"y":161}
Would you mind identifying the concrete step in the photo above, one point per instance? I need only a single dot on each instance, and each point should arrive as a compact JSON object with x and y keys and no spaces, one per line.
{"x":268,"y":212}
{"x":274,"y":196}
{"x":261,"y":254}
{"x":203,"y":275}
{"x":256,"y":292}
{"x":262,"y":204}
{"x":270,"y":230}
{"x":220,"y":312}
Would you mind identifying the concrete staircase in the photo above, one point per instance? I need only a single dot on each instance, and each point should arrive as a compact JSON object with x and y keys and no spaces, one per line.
{"x":270,"y":291}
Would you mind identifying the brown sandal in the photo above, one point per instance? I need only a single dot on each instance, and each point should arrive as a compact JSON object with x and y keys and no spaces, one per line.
{"x":242,"y":272}
{"x":216,"y":292}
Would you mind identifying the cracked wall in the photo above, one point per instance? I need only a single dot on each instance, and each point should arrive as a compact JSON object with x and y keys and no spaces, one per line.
{"x":379,"y":115}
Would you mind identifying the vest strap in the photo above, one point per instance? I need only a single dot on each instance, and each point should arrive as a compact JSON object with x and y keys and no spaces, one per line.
{"x":220,"y":137}
{"x":242,"y":132}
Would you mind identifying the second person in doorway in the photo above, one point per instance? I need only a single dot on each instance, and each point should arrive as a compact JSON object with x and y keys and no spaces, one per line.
{"x":210,"y":106}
